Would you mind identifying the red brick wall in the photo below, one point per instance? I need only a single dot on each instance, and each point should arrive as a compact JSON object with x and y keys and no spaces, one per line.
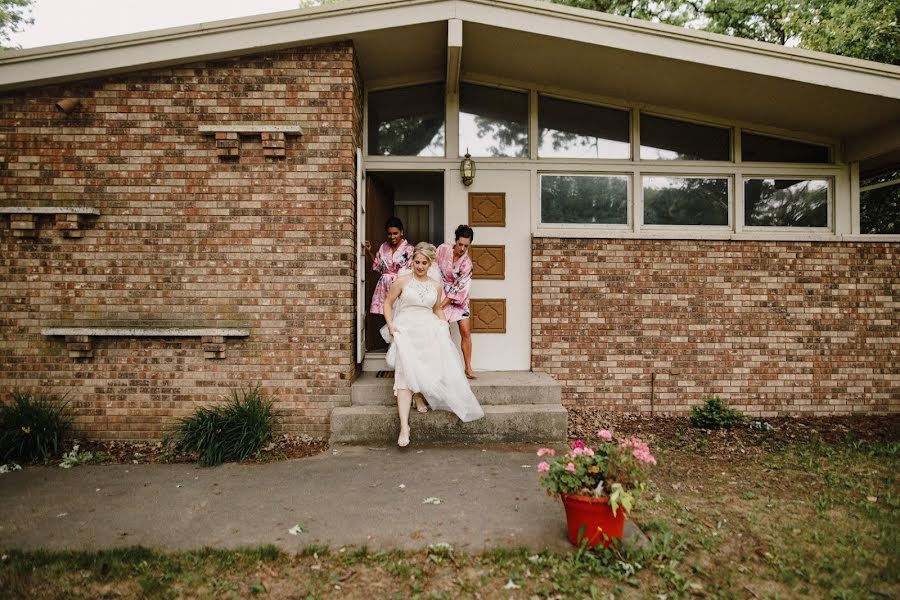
{"x":186,"y":237}
{"x":773,"y":327}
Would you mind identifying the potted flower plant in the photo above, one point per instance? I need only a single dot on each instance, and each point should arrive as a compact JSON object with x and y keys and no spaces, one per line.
{"x":598,"y":484}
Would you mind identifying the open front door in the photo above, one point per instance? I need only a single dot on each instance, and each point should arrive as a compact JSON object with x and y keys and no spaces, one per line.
{"x":379,"y":208}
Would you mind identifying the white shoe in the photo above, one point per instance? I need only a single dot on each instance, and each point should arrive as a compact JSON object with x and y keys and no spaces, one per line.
{"x":403,"y":440}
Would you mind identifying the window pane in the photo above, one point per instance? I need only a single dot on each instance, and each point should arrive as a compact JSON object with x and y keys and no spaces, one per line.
{"x":584,"y":199}
{"x":670,"y":139}
{"x":786,"y":202}
{"x":492,"y":122}
{"x":685,"y":201}
{"x":407,"y":121}
{"x":576,"y":130}
{"x":879,"y":208}
{"x":762,"y":148}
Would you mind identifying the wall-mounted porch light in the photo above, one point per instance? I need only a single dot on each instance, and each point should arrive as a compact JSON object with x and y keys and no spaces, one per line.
{"x":467,"y":169}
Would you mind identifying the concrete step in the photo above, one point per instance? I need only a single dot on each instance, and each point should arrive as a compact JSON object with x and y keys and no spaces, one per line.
{"x":538,"y":423}
{"x":491,"y":388}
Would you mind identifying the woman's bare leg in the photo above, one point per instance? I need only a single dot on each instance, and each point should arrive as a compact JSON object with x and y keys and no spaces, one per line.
{"x":465,"y":334}
{"x":404,"y":401}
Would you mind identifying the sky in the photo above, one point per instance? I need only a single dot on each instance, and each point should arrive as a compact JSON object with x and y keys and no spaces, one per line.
{"x":60,"y":21}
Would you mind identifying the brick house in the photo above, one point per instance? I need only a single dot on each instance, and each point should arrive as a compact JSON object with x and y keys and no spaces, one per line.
{"x":660,"y":214}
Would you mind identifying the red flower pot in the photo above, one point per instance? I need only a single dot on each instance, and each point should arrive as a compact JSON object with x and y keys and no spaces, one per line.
{"x":596,"y":516}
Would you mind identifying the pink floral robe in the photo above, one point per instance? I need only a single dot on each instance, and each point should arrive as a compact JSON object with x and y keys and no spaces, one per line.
{"x":457,"y":278}
{"x":388,"y":263}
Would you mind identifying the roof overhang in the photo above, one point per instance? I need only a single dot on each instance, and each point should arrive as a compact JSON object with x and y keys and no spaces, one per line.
{"x":535,"y":43}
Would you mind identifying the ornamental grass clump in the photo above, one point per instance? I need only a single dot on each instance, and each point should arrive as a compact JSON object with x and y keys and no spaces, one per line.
{"x":613,"y":469}
{"x":230,"y":432}
{"x":33,"y":427}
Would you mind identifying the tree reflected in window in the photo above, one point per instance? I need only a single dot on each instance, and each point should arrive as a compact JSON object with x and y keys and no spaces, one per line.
{"x":407,"y":121}
{"x":577,"y":130}
{"x":492,"y":122}
{"x":786,"y":202}
{"x":879,"y":203}
{"x":685,"y":201}
{"x":589,"y":199}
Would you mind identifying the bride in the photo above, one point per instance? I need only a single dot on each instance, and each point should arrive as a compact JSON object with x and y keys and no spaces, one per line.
{"x":422,"y":354}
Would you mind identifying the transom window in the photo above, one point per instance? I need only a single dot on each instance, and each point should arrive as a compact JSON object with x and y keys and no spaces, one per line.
{"x":671,"y":139}
{"x":763,"y":148}
{"x":577,"y":130}
{"x":492,"y":121}
{"x":407,"y":121}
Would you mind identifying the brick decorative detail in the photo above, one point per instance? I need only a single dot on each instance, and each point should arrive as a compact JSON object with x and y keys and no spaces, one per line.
{"x":23,"y":226}
{"x":772,"y":327}
{"x":273,"y":145}
{"x":265,"y":241}
{"x":488,"y":262}
{"x":488,"y":315}
{"x":487,"y":209}
{"x":228,"y":145}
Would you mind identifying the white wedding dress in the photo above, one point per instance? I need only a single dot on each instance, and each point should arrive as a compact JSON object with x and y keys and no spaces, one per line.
{"x":424,"y":357}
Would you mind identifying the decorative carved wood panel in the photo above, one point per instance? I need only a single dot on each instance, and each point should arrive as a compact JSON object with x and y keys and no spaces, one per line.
{"x":488,"y":315}
{"x":489,"y":262}
{"x":487,"y":209}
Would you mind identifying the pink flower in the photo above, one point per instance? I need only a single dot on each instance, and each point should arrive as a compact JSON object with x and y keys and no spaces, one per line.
{"x":546,"y":452}
{"x":543,"y":467}
{"x":570,"y":467}
{"x":577,"y":444}
{"x":605,"y":434}
{"x":588,"y":452}
{"x":577,"y":451}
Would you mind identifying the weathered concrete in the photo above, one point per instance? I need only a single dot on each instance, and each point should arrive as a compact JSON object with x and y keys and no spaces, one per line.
{"x":347,"y":496}
{"x":519,"y":406}
{"x":491,"y":387}
{"x":506,"y":423}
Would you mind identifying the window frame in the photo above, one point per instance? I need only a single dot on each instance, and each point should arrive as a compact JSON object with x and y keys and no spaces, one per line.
{"x":629,"y":204}
{"x":829,"y":205}
{"x":537,"y":118}
{"x":699,"y":227}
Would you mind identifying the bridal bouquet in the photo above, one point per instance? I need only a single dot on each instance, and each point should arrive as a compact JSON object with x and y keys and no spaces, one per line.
{"x":616,"y":469}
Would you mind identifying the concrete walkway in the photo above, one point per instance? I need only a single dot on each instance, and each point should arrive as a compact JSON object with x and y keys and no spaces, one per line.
{"x":347,"y":496}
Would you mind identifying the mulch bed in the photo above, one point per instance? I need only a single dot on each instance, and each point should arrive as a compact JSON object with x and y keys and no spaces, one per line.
{"x":584,"y":422}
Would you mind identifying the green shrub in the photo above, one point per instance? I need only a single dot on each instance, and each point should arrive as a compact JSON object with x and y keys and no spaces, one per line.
{"x":33,"y":427}
{"x":230,"y":432}
{"x":714,"y":413}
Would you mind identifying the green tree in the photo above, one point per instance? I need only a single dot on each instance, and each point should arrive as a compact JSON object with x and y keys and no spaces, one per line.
{"x":14,"y":14}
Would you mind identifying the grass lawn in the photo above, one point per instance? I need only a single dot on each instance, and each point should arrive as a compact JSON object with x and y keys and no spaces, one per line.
{"x":811,"y":510}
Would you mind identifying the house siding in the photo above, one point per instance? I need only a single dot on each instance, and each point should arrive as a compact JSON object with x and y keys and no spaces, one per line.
{"x":772,"y":327}
{"x":186,"y":237}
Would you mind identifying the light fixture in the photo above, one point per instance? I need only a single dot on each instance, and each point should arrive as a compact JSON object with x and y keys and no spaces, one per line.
{"x":67,"y":105}
{"x":467,"y":169}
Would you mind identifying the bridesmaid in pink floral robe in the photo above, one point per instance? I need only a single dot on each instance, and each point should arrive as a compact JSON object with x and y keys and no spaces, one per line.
{"x":456,"y":274}
{"x":393,"y":255}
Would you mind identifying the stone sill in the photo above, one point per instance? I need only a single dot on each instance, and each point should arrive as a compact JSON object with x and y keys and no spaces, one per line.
{"x":80,"y":345}
{"x":147,"y":331}
{"x":252,"y":129}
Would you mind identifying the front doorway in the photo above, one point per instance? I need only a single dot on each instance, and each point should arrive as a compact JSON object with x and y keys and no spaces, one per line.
{"x":417,"y":199}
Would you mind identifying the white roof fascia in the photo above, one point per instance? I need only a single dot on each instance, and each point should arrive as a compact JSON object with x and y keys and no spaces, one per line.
{"x":204,"y":41}
{"x":83,"y":60}
{"x":667,"y":41}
